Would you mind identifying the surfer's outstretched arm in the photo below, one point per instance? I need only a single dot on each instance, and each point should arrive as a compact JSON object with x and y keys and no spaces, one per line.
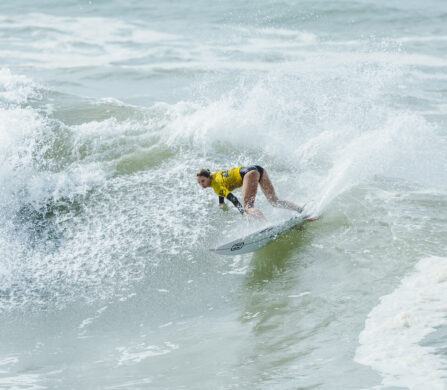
{"x":236,"y":203}
{"x":222,"y":203}
{"x":246,"y":212}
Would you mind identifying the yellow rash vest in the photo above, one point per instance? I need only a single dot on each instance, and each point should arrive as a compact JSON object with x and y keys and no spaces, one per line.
{"x":224,"y":182}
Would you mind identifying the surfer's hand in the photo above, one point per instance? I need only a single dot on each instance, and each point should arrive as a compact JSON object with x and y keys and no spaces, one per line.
{"x":224,"y":207}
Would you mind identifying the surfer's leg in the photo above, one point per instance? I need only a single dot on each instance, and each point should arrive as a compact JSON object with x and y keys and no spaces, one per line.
{"x":249,"y":189}
{"x":270,"y":194}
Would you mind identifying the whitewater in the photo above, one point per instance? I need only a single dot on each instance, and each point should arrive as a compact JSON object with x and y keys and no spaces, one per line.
{"x":108,"y":109}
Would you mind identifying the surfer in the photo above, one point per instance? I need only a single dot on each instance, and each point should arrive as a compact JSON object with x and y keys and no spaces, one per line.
{"x":224,"y":182}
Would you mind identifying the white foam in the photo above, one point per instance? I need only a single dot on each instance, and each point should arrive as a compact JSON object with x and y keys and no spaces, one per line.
{"x":65,"y":42}
{"x":132,"y":384}
{"x":21,"y":132}
{"x":6,"y":363}
{"x":133,"y":355}
{"x":301,"y":35}
{"x":394,"y":329}
{"x":35,"y":178}
{"x":80,"y":41}
{"x":337,"y":130}
{"x":432,"y":38}
{"x":322,"y":133}
{"x":14,"y":88}
{"x":299,"y":295}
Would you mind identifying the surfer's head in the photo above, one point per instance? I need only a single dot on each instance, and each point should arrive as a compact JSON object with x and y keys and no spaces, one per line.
{"x":204,"y":178}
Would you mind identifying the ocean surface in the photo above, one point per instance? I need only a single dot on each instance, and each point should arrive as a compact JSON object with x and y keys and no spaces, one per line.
{"x":107,"y":110}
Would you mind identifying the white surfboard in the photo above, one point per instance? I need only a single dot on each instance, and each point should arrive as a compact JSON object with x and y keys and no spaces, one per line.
{"x":260,"y":238}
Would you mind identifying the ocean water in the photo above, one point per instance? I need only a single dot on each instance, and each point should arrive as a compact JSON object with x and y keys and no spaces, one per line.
{"x":107,"y":110}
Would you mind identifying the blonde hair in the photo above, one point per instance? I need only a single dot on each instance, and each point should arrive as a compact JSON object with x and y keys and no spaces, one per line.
{"x":204,"y":172}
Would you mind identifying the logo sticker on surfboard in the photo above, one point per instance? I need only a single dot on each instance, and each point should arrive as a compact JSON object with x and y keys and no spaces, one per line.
{"x":237,"y":246}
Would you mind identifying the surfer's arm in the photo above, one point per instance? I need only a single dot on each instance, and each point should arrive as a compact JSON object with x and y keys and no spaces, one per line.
{"x":236,"y":203}
{"x":222,"y":204}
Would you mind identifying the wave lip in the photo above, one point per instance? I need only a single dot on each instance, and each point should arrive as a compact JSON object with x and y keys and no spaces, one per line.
{"x":390,"y":341}
{"x":15,"y":89}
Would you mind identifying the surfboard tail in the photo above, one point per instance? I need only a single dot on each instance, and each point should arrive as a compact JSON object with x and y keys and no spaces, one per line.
{"x":311,"y":219}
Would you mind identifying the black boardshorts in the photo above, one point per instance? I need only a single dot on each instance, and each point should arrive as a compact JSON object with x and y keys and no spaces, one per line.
{"x":244,"y":170}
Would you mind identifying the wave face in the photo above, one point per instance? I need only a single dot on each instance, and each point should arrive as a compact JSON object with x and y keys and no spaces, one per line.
{"x":107,"y":110}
